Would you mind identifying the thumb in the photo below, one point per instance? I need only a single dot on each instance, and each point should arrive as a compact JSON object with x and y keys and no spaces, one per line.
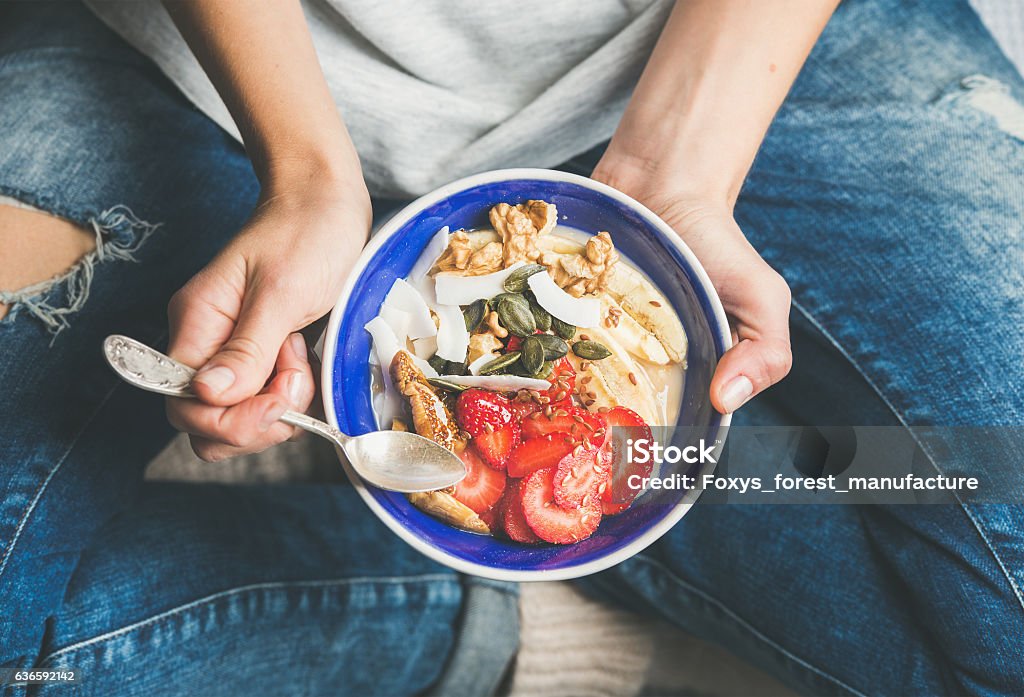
{"x":747,"y":368}
{"x":241,"y":367}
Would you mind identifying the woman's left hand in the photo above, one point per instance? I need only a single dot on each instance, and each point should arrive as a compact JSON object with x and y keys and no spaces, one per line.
{"x":237,"y":319}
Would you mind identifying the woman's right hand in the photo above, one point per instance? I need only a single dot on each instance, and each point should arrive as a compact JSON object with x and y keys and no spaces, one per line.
{"x":755,"y":297}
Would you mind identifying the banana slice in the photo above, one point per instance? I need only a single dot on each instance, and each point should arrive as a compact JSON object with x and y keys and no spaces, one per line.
{"x":633,"y":337}
{"x":610,"y":382}
{"x":651,"y":310}
{"x":443,"y":505}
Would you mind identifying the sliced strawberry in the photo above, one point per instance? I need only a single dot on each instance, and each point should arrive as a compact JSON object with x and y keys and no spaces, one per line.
{"x":482,"y":486}
{"x":539,"y":453}
{"x":520,"y":410}
{"x":623,"y":425}
{"x":550,"y":521}
{"x":494,"y":446}
{"x":492,"y":517}
{"x":512,"y":518}
{"x":479,"y":411}
{"x":562,"y":377}
{"x":578,"y":477}
{"x":578,"y":422}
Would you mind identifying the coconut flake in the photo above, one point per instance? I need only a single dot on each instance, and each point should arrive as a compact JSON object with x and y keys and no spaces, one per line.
{"x":398,"y":320}
{"x":385,"y":345}
{"x":501,"y":383}
{"x":455,"y":289}
{"x":475,"y":366}
{"x":430,"y":254}
{"x":404,"y":297}
{"x":452,"y":337}
{"x":579,"y":312}
{"x":425,"y":368}
{"x":424,"y":348}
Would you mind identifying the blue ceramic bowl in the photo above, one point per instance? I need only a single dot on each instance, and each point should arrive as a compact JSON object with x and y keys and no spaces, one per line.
{"x":582,"y":203}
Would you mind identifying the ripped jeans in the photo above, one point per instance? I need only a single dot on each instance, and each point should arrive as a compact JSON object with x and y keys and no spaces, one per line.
{"x":890,"y":194}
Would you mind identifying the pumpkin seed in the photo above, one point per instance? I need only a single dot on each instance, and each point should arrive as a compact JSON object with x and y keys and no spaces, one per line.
{"x":516,"y":281}
{"x":500,"y":363}
{"x":437,"y":363}
{"x":474,"y":314}
{"x":446,"y":385}
{"x":517,"y":298}
{"x":533,"y":354}
{"x":545,"y":371}
{"x":563,"y":329}
{"x":516,"y":317}
{"x":590,"y":350}
{"x":453,"y":368}
{"x":554,"y":347}
{"x":540,"y":315}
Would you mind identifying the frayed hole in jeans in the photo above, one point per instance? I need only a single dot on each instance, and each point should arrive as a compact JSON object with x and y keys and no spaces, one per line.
{"x":117,"y":232}
{"x":990,"y":97}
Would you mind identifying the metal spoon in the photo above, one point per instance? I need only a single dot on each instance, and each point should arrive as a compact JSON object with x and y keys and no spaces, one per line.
{"x":393,"y":460}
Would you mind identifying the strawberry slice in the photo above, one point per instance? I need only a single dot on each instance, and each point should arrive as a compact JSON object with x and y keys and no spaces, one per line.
{"x":578,"y":477}
{"x":494,"y":446}
{"x":521,"y":410}
{"x":492,"y":517}
{"x":512,"y":519}
{"x":623,"y":424}
{"x":482,"y":486}
{"x":539,"y":453}
{"x":479,"y":411}
{"x":577,"y":422}
{"x":551,"y":522}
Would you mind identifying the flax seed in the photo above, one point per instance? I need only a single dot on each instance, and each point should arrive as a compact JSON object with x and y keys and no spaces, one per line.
{"x":632,"y":378}
{"x":584,"y":337}
{"x":603,"y":410}
{"x":577,"y":450}
{"x":589,"y":403}
{"x":578,"y":419}
{"x":586,"y":379}
{"x":655,"y":303}
{"x":561,"y":412}
{"x":488,"y":428}
{"x":590,"y":395}
{"x":534,"y":415}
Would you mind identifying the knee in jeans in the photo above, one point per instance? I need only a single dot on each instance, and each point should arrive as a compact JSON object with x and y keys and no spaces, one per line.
{"x":49,"y":262}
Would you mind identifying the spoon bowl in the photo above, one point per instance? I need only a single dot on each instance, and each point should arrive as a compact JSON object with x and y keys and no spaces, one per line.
{"x":392,"y":460}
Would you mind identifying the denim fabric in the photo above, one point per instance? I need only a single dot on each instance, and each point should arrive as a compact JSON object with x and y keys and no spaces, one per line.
{"x":157,"y":588}
{"x":889,"y":194}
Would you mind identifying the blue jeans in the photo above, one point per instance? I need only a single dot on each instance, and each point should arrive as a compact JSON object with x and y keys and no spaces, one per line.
{"x":888,"y":193}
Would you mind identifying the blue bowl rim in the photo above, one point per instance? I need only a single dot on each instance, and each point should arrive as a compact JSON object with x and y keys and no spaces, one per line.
{"x":718,"y":323}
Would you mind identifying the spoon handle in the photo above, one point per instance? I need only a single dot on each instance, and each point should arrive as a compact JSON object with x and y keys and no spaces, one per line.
{"x":148,"y":369}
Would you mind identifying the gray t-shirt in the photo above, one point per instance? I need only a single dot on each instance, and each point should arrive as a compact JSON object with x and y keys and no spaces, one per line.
{"x":435,"y":90}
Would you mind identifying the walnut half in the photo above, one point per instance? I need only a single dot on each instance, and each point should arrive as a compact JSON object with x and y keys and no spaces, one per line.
{"x":520,"y":226}
{"x":583,"y":273}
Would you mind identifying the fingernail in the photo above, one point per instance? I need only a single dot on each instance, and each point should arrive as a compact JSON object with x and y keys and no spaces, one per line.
{"x":218,"y":378}
{"x":295,"y":388}
{"x":271,"y":415}
{"x":299,"y":346}
{"x":736,"y":392}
